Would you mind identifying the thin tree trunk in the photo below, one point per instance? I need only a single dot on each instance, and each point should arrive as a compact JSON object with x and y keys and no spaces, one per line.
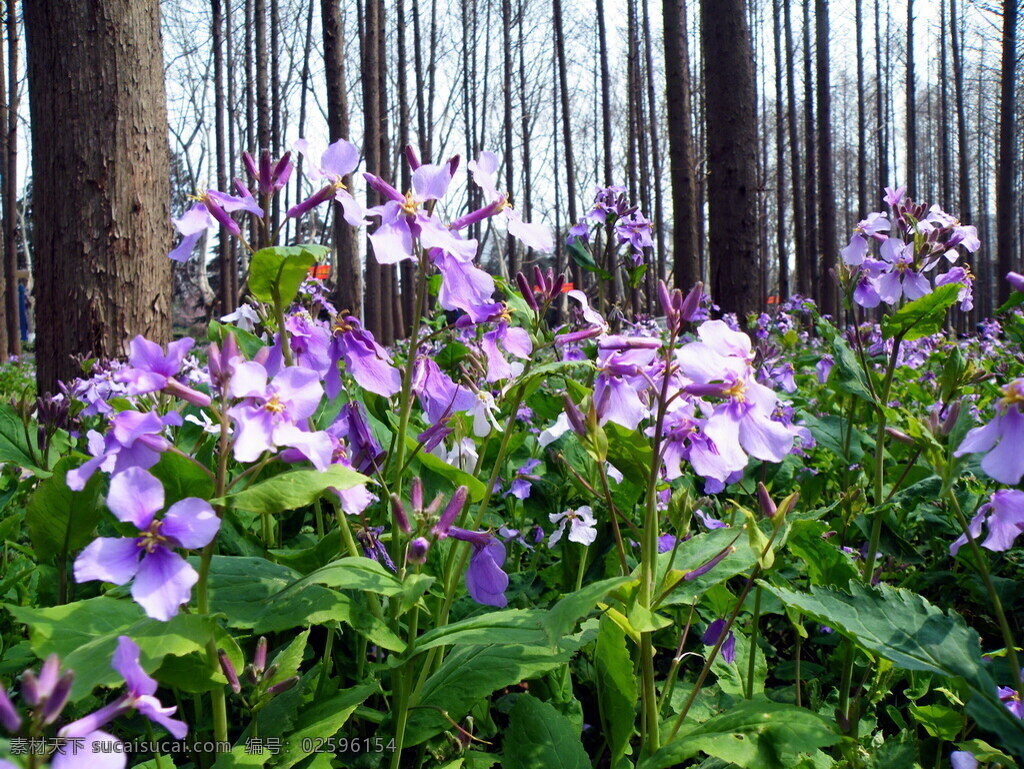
{"x":732,"y":154}
{"x":407,"y":269}
{"x":506,"y":38}
{"x":102,"y":270}
{"x":7,"y":315}
{"x":963,"y":154}
{"x":262,"y":75}
{"x":606,"y":99}
{"x":862,"y":146}
{"x":372,"y":307}
{"x":881,"y":84}
{"x":570,"y":168}
{"x":911,"y":97}
{"x":1005,"y":192}
{"x":421,"y":87}
{"x":10,"y":178}
{"x":232,"y":118}
{"x":826,"y":170}
{"x":780,"y":158}
{"x":803,"y":260}
{"x":946,"y":191}
{"x":227,"y":303}
{"x":656,"y":165}
{"x":810,"y":162}
{"x":525,"y":124}
{"x":276,"y":110}
{"x":678,"y":101}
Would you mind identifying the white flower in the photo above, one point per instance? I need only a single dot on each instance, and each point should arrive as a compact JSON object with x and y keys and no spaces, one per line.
{"x":205,"y":422}
{"x":556,"y":431}
{"x":463,"y":454}
{"x":581,"y":526}
{"x":483,"y":414}
{"x":244,"y":317}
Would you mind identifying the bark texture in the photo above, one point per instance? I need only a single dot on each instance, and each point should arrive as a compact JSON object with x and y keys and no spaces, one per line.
{"x":100,"y":164}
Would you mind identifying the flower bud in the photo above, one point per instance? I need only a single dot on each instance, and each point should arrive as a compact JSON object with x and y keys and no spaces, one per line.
{"x":229,"y":671}
{"x":540,"y":280}
{"x":952,"y":415}
{"x":259,"y":660}
{"x":526,"y":291}
{"x":898,"y":435}
{"x":398,"y":513}
{"x":411,"y":156}
{"x":58,"y":698}
{"x":574,"y":415}
{"x":416,"y":494}
{"x":764,"y":499}
{"x":451,"y":513}
{"x":283,"y":686}
{"x":418,"y":550}
{"x":9,"y":718}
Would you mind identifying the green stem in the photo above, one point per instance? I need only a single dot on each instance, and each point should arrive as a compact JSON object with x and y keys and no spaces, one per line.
{"x":582,"y":567}
{"x":405,"y":675}
{"x":997,"y":605}
{"x":752,"y":653}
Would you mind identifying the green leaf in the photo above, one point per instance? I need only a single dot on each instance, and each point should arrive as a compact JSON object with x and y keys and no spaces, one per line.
{"x":616,"y":687}
{"x":353,"y":573}
{"x":753,"y":734}
{"x":181,"y":478}
{"x":629,"y":451}
{"x":938,"y":720}
{"x":922,"y":317}
{"x":84,"y":635}
{"x":276,"y":273}
{"x":697,"y":551}
{"x":907,"y":630}
{"x":469,"y":674}
{"x":289,"y":658}
{"x":582,"y":257}
{"x":523,"y":627}
{"x":239,"y":757}
{"x":60,"y":520}
{"x":847,"y":372}
{"x":248,"y":343}
{"x":320,"y":720}
{"x":571,"y":608}
{"x":292,"y":490}
{"x":251,"y":593}
{"x":14,"y":443}
{"x":538,"y":735}
{"x":826,"y":564}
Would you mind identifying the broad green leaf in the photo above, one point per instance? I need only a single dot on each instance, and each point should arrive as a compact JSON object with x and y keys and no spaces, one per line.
{"x":907,"y":630}
{"x":629,"y":451}
{"x":616,"y":687}
{"x":696,"y":552}
{"x":319,"y":720}
{"x":938,"y":720}
{"x":14,"y":443}
{"x":276,"y":273}
{"x":353,"y":573}
{"x":239,"y":757}
{"x":571,"y":608}
{"x":289,"y":659}
{"x":261,"y":596}
{"x":752,"y":734}
{"x":60,"y":520}
{"x":539,"y":736}
{"x":248,"y":343}
{"x":181,"y":478}
{"x":847,"y":372}
{"x":922,"y":317}
{"x":294,"y":489}
{"x":469,"y":674}
{"x":520,"y":627}
{"x":84,"y":635}
{"x":826,"y":564}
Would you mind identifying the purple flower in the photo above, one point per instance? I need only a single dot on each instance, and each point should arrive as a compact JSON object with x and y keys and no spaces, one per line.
{"x":714,"y":634}
{"x":439,"y":396}
{"x":140,"y":697}
{"x":464,"y":286}
{"x":333,"y":165}
{"x":901,"y":279}
{"x":364,"y":451}
{"x":163,"y":580}
{"x":368,"y":362}
{"x":151,"y":370}
{"x":1016,"y":281}
{"x":485,"y":174}
{"x":269,"y":177}
{"x":373,"y":548}
{"x":962,"y":276}
{"x":269,"y":414}
{"x":134,"y":440}
{"x":581,"y":524}
{"x":212,"y":208}
{"x":523,"y":480}
{"x":1011,"y":699}
{"x":514,"y":340}
{"x":1001,"y":438}
{"x":485,"y":580}
{"x":894,"y":196}
{"x":1003,"y":515}
{"x":962,"y":759}
{"x":870,"y":228}
{"x":824,"y":368}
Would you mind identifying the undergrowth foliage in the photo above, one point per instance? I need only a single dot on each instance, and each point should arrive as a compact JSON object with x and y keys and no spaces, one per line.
{"x":537,"y":533}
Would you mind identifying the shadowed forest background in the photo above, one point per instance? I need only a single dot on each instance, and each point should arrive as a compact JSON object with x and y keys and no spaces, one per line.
{"x":750,"y":133}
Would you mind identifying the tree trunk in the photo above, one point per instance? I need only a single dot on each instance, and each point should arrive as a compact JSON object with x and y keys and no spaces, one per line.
{"x":810,"y":162}
{"x":8,"y":275}
{"x":570,"y":168}
{"x":232,"y":118}
{"x":372,"y":308}
{"x":780,"y":159}
{"x":506,"y":39}
{"x":262,"y":75}
{"x":945,"y":189}
{"x":732,"y":154}
{"x":1005,"y":197}
{"x":100,"y":166}
{"x":911,"y":105}
{"x":881,"y":84}
{"x":407,"y":269}
{"x":227,"y":300}
{"x":678,"y":101}
{"x":656,"y":164}
{"x":826,"y":166}
{"x":803,"y":260}
{"x":10,"y":191}
{"x":963,"y":154}
{"x":862,"y":146}
{"x":606,"y":98}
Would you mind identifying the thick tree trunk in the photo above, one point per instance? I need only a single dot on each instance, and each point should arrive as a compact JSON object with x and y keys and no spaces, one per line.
{"x":261,"y":54}
{"x":348,"y":279}
{"x":372,"y":307}
{"x":826,"y":166}
{"x":678,"y":100}
{"x":1005,"y":192}
{"x":732,"y":154}
{"x":100,"y":167}
{"x":8,"y":277}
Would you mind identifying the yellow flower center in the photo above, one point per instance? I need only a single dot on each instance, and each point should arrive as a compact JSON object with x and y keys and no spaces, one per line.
{"x":1013,"y":394}
{"x":737,"y":390}
{"x":410,"y":205}
{"x":151,"y":538}
{"x":274,"y":405}
{"x":341,"y":323}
